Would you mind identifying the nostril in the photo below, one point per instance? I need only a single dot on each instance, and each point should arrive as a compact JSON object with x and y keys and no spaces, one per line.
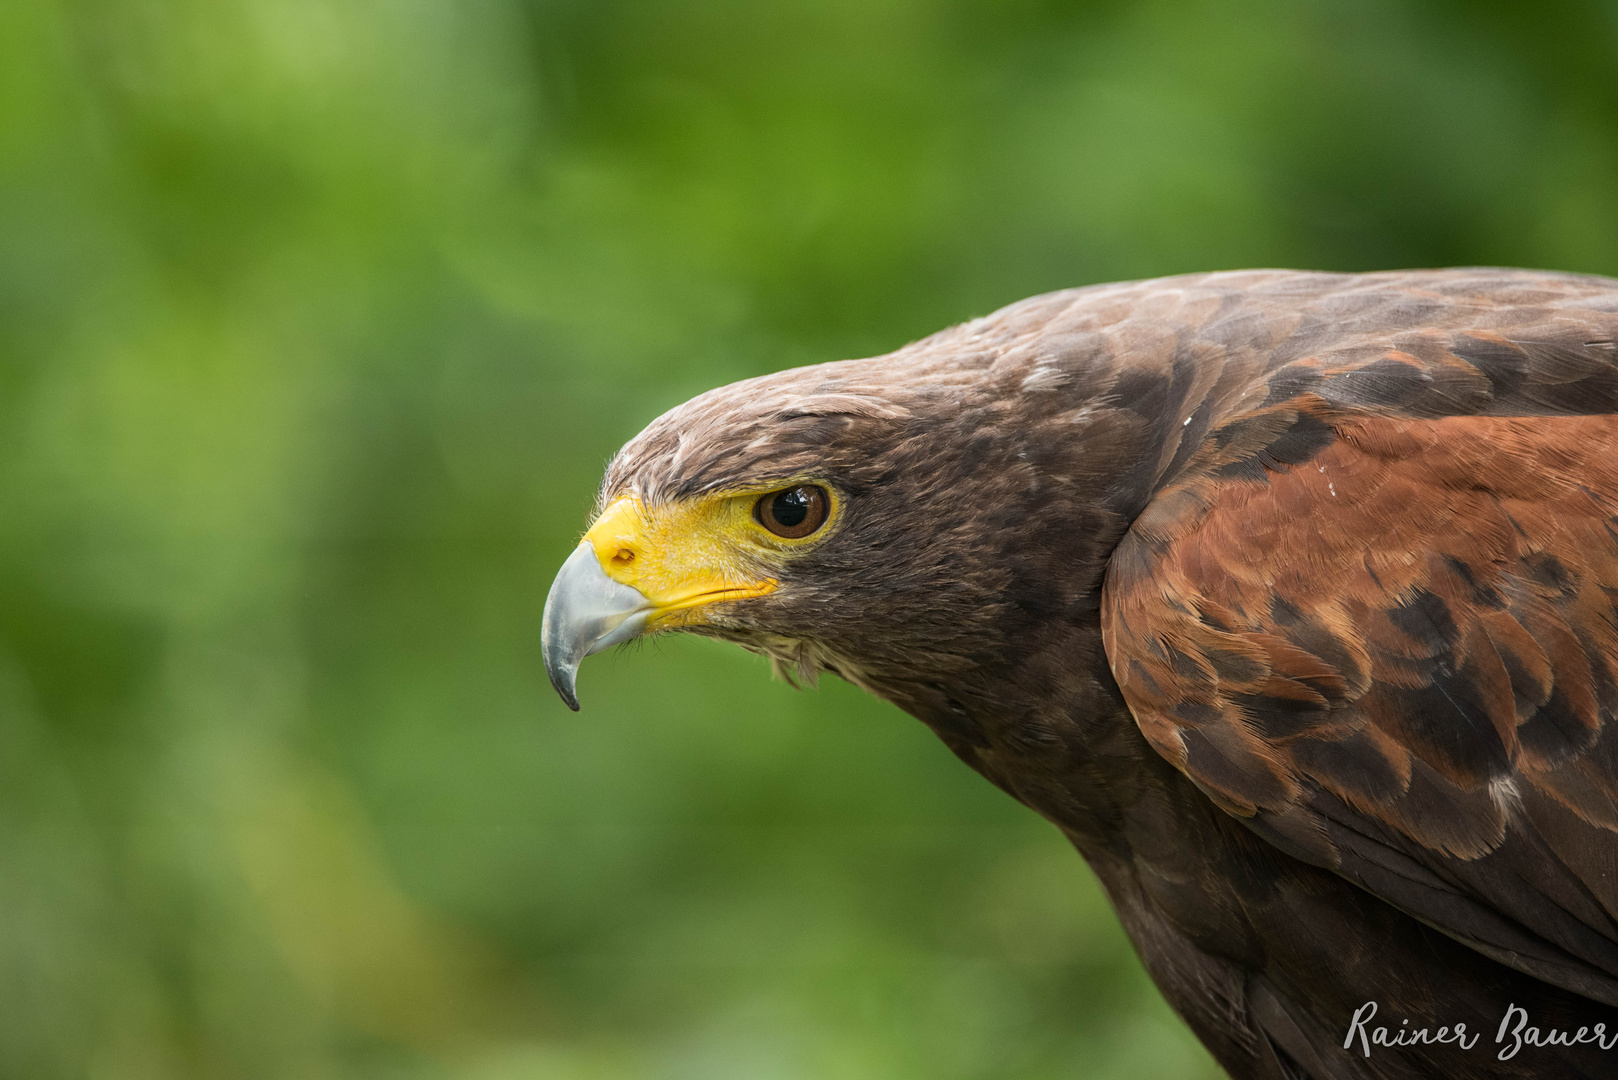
{"x":623,"y":556}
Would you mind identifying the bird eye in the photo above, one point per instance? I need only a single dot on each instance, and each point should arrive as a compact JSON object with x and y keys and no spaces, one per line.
{"x":793,"y":513}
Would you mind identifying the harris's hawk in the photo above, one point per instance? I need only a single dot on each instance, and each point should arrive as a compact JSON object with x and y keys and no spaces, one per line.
{"x":1291,"y":598}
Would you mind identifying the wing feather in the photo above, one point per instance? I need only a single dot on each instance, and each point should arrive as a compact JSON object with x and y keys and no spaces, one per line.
{"x":1374,"y":617}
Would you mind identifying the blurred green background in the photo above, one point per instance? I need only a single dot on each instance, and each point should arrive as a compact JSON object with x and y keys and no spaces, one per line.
{"x":318,"y":319}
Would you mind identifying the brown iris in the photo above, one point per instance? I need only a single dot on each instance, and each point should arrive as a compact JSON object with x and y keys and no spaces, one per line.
{"x":794,"y":512}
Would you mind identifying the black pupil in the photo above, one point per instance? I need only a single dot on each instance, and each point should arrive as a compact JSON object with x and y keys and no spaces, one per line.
{"x":790,"y":508}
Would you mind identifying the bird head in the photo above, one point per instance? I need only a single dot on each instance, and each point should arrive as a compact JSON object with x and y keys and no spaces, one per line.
{"x":897,"y":521}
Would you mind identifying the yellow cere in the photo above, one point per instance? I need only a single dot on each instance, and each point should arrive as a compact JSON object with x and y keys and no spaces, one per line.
{"x":688,"y":554}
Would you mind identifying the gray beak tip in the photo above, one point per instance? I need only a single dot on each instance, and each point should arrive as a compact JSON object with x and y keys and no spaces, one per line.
{"x":585,"y":613}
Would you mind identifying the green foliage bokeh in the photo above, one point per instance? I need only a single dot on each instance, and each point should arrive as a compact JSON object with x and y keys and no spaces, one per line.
{"x":318,"y":319}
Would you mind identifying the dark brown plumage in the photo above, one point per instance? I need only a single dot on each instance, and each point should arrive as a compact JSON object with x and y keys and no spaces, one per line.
{"x":1289,"y":598}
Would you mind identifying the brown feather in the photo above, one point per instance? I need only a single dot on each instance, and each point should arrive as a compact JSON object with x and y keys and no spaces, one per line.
{"x":1422,"y":592}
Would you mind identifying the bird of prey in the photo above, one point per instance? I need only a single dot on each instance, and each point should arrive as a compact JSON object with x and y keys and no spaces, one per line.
{"x":1290,"y":598}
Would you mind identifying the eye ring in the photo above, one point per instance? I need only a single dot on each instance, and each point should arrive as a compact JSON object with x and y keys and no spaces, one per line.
{"x":795,"y":512}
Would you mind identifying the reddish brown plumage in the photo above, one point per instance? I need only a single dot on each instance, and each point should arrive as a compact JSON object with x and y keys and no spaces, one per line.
{"x":1414,"y":627}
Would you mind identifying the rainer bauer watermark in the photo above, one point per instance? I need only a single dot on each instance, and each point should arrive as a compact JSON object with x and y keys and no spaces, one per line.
{"x":1515,"y":1032}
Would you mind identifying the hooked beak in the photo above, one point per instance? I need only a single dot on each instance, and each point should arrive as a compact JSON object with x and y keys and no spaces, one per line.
{"x":586,"y":612}
{"x":638,"y":570}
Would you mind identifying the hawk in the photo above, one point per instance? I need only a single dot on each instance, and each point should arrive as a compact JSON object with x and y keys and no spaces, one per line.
{"x":1290,"y":598}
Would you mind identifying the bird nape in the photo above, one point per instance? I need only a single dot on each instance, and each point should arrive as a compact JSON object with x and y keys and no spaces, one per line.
{"x":1289,"y":597}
